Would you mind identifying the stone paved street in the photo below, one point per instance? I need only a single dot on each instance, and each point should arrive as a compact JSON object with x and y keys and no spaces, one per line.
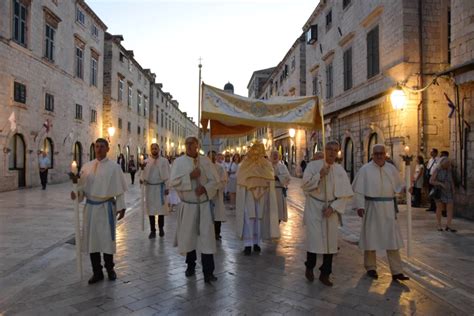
{"x":38,"y":277}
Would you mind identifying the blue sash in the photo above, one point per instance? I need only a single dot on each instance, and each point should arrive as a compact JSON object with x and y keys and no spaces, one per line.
{"x":110,"y":211}
{"x":162,"y":190}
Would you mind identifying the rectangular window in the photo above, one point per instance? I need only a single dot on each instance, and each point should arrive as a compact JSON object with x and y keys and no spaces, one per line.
{"x":129,"y":127}
{"x":94,"y":66}
{"x":93,"y":116}
{"x":129,"y":99}
{"x":145,"y":107}
{"x":315,"y":84}
{"x":20,"y":13}
{"x":79,"y":62}
{"x":345,"y":3}
{"x":329,"y":81}
{"x":157,"y":116}
{"x":19,"y":92}
{"x":49,"y":42}
{"x":328,"y":20}
{"x":95,"y":31}
{"x":49,"y":102}
{"x":121,"y":57}
{"x":312,"y":34}
{"x":119,"y":124}
{"x":138,"y":130}
{"x":162,"y":118}
{"x":78,"y":112}
{"x":80,"y":16}
{"x":139,"y":102}
{"x":347,"y":60}
{"x":373,"y":52}
{"x":120,"y":90}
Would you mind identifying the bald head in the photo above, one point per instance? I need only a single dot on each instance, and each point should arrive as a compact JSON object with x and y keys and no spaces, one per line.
{"x":379,"y":154}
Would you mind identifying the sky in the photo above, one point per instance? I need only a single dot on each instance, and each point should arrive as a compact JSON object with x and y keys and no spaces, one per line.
{"x":233,"y":37}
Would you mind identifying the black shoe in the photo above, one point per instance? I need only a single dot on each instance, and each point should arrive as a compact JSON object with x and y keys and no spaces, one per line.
{"x":324,"y":279}
{"x":152,"y":235}
{"x":450,"y":229}
{"x":257,"y":248}
{"x":309,"y":275}
{"x":373,"y":274}
{"x":400,"y":277}
{"x":96,"y":278}
{"x":162,"y":232}
{"x":112,"y":275}
{"x":190,"y":272}
{"x":210,"y":278}
{"x":248,"y":251}
{"x":444,"y":213}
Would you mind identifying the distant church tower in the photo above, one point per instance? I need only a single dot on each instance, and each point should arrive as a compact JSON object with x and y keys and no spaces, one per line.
{"x":229,"y":88}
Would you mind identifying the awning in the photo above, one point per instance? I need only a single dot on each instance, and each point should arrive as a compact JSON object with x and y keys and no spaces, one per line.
{"x":234,"y":115}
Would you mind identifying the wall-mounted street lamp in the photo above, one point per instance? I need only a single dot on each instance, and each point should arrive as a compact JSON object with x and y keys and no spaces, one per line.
{"x":111,"y":132}
{"x":153,"y":140}
{"x":398,"y":98}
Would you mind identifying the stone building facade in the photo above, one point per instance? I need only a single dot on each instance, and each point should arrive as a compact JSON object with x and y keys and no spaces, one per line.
{"x":462,"y":122}
{"x":64,"y":82}
{"x":51,"y":70}
{"x":126,"y":100}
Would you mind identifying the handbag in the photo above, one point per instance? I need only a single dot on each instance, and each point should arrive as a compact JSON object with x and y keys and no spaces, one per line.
{"x":435,"y":193}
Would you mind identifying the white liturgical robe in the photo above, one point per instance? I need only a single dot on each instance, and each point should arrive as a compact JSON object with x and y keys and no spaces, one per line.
{"x":195,"y":225}
{"x":103,"y":185}
{"x":322,"y":232}
{"x":218,"y":200}
{"x":375,"y":188}
{"x":155,"y":176}
{"x":281,"y":185}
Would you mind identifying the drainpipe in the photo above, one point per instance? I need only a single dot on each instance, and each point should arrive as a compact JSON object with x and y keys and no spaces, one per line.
{"x":421,"y":112}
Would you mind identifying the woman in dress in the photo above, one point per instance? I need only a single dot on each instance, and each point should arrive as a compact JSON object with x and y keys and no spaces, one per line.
{"x":442,"y":179}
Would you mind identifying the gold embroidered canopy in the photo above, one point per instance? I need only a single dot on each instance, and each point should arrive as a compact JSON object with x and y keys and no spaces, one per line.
{"x":234,"y":115}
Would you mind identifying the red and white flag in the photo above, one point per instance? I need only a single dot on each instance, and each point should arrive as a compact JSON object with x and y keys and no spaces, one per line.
{"x":47,"y":125}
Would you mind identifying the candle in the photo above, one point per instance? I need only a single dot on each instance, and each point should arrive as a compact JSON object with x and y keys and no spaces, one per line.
{"x":339,"y":154}
{"x":407,"y":150}
{"x":74,"y":167}
{"x":141,"y":158}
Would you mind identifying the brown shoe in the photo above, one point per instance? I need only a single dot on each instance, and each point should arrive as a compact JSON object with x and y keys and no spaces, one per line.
{"x":309,"y":275}
{"x":324,"y":279}
{"x":400,"y":277}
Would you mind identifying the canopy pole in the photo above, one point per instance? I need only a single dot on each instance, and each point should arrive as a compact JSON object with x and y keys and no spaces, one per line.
{"x":199,"y":102}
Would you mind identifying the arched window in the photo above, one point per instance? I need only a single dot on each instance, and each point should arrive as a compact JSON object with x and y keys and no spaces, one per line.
{"x":77,"y":154}
{"x":349,"y":158}
{"x":92,"y":151}
{"x":127,"y":157}
{"x":17,"y":157}
{"x":373,"y":140}
{"x":48,"y":147}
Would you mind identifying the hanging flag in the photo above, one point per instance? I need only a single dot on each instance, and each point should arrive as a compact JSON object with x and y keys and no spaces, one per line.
{"x":451,"y":105}
{"x":47,"y":125}
{"x":12,"y":121}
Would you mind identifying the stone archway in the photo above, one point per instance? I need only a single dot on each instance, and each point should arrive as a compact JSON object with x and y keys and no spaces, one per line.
{"x":17,"y":158}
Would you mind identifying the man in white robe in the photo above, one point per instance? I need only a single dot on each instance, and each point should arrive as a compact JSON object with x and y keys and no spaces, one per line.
{"x":328,"y":190}
{"x":155,"y":177}
{"x":195,"y":179}
{"x":282,"y":180}
{"x":217,"y":203}
{"x":103,"y":184}
{"x":375,"y":187}
{"x":256,"y":212}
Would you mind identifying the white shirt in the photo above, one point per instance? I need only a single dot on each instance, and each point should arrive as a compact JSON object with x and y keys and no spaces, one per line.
{"x":44,"y":162}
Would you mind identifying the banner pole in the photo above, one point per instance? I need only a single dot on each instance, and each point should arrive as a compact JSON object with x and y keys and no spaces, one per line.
{"x":199,"y":103}
{"x":323,"y":129}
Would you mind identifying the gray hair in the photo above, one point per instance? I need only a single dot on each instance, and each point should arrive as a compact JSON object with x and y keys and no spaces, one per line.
{"x":376,"y":146}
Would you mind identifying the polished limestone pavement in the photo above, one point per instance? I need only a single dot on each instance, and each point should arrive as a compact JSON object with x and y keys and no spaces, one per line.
{"x":38,"y":273}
